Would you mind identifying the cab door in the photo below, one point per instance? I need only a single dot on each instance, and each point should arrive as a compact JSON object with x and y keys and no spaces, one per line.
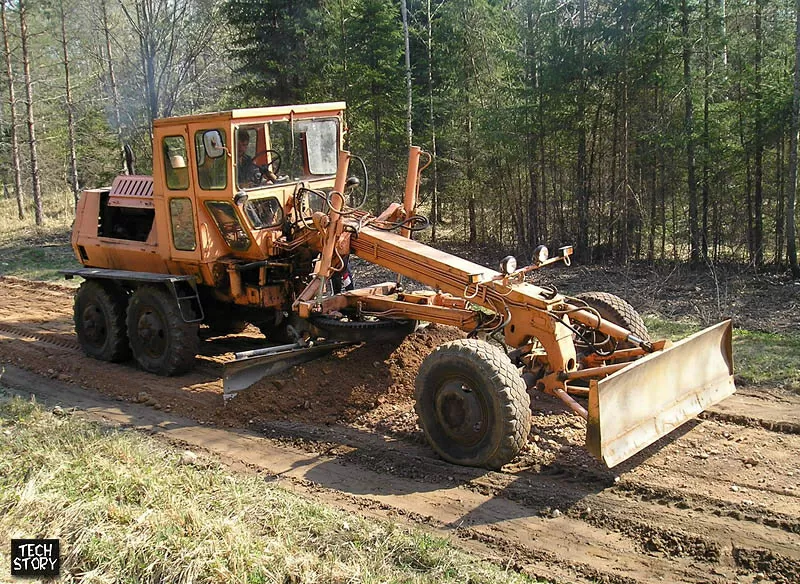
{"x":173,"y":162}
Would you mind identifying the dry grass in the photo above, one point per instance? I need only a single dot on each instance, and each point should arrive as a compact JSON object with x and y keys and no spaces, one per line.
{"x":37,"y":252}
{"x":125,"y":510}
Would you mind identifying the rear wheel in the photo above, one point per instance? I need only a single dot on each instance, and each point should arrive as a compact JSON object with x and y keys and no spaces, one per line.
{"x":472,"y":404}
{"x":161,"y":341}
{"x":99,"y":314}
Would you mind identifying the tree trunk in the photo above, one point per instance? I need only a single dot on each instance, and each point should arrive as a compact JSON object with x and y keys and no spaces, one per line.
{"x":651,"y":239}
{"x":434,"y":166}
{"x":112,"y":80}
{"x":73,"y":156}
{"x":758,"y":202}
{"x":627,"y":225}
{"x":12,"y":102}
{"x":706,"y":138}
{"x":409,"y":96}
{"x":532,"y":76}
{"x":694,"y":230}
{"x":582,"y":194}
{"x":544,"y":230}
{"x":791,"y":194}
{"x":376,"y":121}
{"x":780,"y":203}
{"x":471,"y":212}
{"x":36,"y":184}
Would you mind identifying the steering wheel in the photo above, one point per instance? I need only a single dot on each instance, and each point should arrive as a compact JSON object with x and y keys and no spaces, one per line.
{"x":274,"y":162}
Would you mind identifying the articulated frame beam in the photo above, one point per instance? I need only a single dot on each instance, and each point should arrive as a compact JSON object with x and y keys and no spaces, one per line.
{"x":528,"y":309}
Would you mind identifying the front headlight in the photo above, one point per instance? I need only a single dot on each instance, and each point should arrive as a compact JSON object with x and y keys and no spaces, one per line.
{"x":508,"y":265}
{"x":540,"y":255}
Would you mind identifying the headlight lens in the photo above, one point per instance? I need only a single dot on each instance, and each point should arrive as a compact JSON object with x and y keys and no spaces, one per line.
{"x":540,"y":255}
{"x":508,"y":265}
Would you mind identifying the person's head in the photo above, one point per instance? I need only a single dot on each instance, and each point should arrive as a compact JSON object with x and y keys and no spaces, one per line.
{"x":243,"y":142}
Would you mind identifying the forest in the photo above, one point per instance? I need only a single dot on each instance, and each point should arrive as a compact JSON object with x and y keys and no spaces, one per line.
{"x":636,"y":130}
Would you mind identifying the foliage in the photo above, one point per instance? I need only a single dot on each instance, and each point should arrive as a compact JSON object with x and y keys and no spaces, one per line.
{"x":558,"y":123}
{"x":38,"y":253}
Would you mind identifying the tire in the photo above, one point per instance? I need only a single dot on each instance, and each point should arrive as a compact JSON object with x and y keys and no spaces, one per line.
{"x":363,"y":330}
{"x":615,"y":310}
{"x":472,"y":404}
{"x":161,"y":342}
{"x":99,"y":315}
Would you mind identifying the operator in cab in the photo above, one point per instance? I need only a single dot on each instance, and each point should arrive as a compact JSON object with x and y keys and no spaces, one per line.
{"x":246,"y":170}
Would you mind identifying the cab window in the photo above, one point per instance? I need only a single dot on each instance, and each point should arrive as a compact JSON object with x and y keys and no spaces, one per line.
{"x":212,"y":159}
{"x":228,"y":224}
{"x":263,"y":213}
{"x":175,"y":169}
{"x":183,"y":235}
{"x":307,"y":147}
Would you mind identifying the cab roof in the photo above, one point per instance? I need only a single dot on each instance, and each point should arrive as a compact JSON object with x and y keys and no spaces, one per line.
{"x":330,"y":108}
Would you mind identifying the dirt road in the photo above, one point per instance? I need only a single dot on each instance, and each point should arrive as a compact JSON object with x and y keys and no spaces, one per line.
{"x":717,"y":502}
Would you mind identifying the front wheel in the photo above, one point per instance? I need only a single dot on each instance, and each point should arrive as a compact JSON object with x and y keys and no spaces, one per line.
{"x":161,"y":341}
{"x":472,"y":404}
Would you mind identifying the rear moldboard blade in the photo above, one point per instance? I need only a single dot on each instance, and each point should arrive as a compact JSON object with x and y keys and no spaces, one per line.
{"x":636,"y":406}
{"x":243,"y":373}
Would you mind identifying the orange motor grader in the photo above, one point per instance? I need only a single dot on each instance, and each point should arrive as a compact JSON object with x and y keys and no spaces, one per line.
{"x":245,"y":220}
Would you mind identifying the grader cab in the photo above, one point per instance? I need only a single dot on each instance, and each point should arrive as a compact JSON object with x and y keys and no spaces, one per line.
{"x":247,"y":219}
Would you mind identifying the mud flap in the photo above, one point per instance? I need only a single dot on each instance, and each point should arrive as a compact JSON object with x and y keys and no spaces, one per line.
{"x":634,"y":407}
{"x":252,"y":366}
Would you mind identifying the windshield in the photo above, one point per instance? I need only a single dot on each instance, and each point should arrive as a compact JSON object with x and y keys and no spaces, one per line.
{"x":283,"y":151}
{"x":308,"y":147}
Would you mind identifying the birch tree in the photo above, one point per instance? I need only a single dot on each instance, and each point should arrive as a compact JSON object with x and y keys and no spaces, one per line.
{"x":36,"y":185}
{"x":12,"y":103}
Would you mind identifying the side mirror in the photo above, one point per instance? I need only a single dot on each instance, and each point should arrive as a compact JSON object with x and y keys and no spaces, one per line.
{"x":214,"y":144}
{"x":352,"y":182}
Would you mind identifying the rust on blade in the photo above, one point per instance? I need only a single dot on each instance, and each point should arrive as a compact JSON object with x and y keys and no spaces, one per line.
{"x":634,"y":407}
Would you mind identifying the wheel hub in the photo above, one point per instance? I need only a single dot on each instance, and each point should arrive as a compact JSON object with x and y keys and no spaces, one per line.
{"x":94,"y":325}
{"x":461,"y":413}
{"x":151,"y":331}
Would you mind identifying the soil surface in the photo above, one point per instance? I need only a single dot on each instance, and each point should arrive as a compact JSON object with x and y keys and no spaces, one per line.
{"x":716,"y":501}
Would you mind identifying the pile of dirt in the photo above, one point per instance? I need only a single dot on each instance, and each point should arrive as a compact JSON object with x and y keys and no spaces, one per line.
{"x":367,"y":385}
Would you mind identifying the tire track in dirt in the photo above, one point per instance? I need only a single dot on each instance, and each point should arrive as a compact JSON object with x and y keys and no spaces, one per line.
{"x":560,"y":548}
{"x":671,"y":514}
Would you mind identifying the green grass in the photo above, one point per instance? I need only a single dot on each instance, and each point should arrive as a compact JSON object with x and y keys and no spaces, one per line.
{"x":768,"y":359}
{"x":125,"y":510}
{"x":37,"y":252}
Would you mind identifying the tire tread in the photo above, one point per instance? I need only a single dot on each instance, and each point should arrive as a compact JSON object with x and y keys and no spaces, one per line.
{"x":509,"y":389}
{"x":184,"y":341}
{"x":114,"y":301}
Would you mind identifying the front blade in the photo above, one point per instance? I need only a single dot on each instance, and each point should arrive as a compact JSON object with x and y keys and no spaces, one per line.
{"x":244,"y":372}
{"x":634,"y":407}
